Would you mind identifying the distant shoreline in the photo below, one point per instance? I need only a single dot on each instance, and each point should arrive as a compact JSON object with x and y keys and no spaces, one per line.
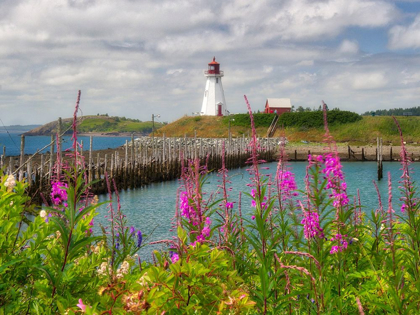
{"x":95,"y":134}
{"x":110,"y":134}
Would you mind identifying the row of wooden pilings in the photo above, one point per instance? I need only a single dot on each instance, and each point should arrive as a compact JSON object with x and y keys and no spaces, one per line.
{"x":139,"y":162}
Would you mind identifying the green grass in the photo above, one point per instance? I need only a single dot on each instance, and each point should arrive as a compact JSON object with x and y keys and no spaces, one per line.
{"x":363,"y":131}
{"x":115,"y":124}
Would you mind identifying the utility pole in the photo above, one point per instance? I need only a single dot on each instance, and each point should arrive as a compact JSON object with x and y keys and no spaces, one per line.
{"x":153,"y":124}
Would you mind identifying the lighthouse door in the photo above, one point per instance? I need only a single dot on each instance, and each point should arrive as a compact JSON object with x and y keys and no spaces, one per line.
{"x":219,"y":110}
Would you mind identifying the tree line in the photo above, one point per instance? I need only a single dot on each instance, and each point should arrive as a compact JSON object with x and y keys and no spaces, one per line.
{"x":413,"y":111}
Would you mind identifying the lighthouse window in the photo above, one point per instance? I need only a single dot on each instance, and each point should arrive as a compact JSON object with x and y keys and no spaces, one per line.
{"x":217,"y":80}
{"x":211,"y":67}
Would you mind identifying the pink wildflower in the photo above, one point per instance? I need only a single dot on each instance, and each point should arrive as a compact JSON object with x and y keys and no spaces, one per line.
{"x":59,"y":193}
{"x":287,"y":185}
{"x":334,"y":249}
{"x":174,"y":257}
{"x":342,"y":243}
{"x":81,"y":305}
{"x":186,"y":210}
{"x":205,"y":232}
{"x":311,"y":226}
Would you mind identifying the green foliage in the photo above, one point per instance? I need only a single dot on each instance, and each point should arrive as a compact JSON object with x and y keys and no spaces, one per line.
{"x":244,"y":120}
{"x":315,"y":119}
{"x":45,"y":267}
{"x":116,"y":124}
{"x":204,"y":282}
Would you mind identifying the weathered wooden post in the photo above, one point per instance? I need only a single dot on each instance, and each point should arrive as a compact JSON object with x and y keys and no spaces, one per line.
{"x":163,"y":148}
{"x":51,"y":158}
{"x":132,"y":150}
{"x":41,"y":173}
{"x":22,"y":156}
{"x":379,"y":157}
{"x":126,"y":155}
{"x":10,"y":166}
{"x":29,"y":172}
{"x":3,"y":157}
{"x":81,"y":148}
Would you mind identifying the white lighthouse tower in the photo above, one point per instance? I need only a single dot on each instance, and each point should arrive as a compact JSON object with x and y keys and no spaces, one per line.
{"x":214,"y":103}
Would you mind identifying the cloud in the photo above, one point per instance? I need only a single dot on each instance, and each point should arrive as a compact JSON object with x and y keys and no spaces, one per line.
{"x":349,"y":47}
{"x":305,"y":63}
{"x":135,"y":58}
{"x":368,"y":81}
{"x":402,"y":37}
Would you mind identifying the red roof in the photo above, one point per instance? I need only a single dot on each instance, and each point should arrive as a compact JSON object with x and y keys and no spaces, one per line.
{"x":214,"y":62}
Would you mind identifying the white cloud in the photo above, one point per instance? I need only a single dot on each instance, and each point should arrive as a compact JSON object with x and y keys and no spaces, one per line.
{"x":401,"y":37}
{"x":348,"y":47}
{"x":312,"y":20}
{"x":368,"y":81}
{"x":305,"y":63}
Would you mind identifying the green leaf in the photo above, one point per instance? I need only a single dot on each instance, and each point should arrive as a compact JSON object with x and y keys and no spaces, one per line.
{"x":62,"y":228}
{"x":47,"y":273}
{"x":4,"y":266}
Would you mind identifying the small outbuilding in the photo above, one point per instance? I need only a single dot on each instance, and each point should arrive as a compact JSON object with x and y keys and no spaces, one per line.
{"x":278,"y":106}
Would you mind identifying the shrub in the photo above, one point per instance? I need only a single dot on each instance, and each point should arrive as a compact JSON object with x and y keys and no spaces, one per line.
{"x":244,"y":120}
{"x":315,"y":119}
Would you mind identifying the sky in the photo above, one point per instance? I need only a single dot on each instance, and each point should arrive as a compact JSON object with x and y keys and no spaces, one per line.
{"x":138,"y":58}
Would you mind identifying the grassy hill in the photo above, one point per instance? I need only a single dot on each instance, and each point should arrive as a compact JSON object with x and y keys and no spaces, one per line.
{"x":361,"y":132}
{"x":99,"y":123}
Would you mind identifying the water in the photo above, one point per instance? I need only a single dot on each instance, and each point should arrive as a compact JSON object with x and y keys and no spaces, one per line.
{"x":151,"y":208}
{"x":33,"y":143}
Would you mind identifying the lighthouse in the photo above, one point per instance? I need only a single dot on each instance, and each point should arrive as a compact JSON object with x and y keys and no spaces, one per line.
{"x":214,"y":103}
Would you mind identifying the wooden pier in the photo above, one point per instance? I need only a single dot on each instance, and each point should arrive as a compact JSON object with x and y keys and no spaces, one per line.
{"x":147,"y":160}
{"x":139,"y":162}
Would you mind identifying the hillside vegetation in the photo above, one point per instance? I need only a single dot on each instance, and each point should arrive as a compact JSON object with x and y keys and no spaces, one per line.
{"x":99,"y":123}
{"x":364,"y":130}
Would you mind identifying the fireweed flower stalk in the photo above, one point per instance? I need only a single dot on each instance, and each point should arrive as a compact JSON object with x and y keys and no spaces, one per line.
{"x":193,"y":208}
{"x":325,"y":213}
{"x":286,"y":184}
{"x":68,"y":191}
{"x":225,"y":212}
{"x":261,"y":238}
{"x":409,"y":231}
{"x":408,"y":198}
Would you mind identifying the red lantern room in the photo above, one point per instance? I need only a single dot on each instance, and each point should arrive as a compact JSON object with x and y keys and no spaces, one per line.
{"x":214,"y":67}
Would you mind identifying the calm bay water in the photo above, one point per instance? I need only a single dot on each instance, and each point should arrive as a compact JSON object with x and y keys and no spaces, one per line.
{"x":152,"y":207}
{"x":33,"y":143}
